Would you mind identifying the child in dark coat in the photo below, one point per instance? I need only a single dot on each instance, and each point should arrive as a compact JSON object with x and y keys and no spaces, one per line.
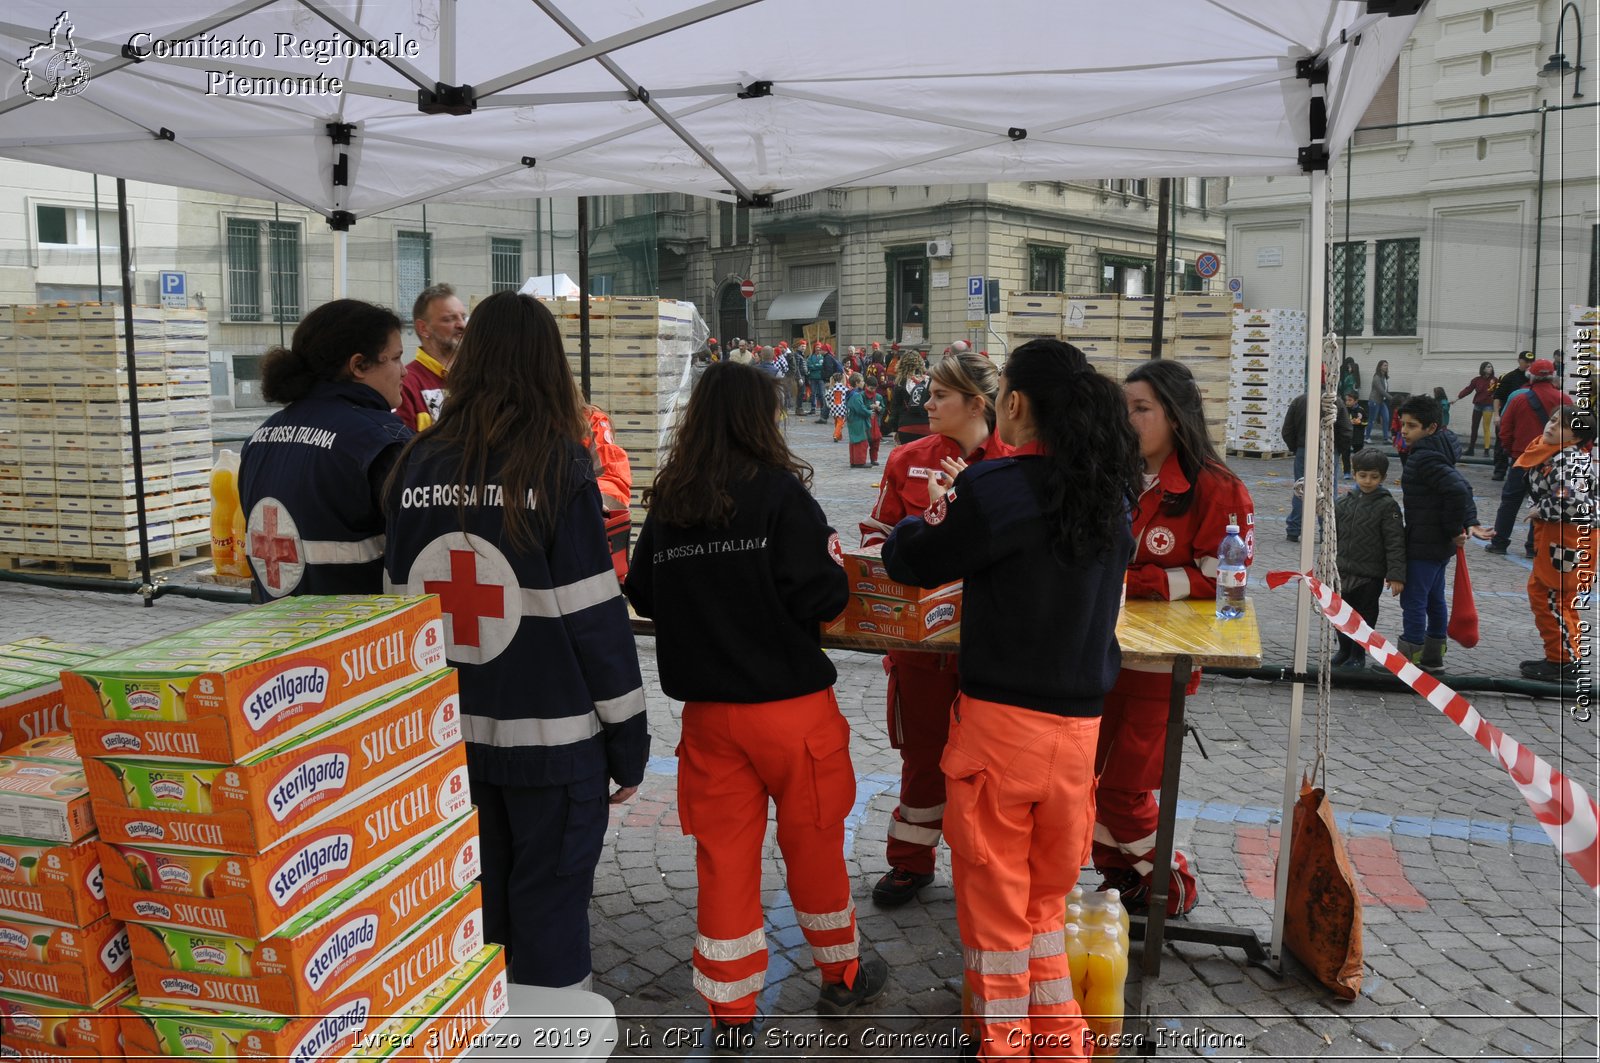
{"x":1372,"y":547}
{"x":1440,"y":511}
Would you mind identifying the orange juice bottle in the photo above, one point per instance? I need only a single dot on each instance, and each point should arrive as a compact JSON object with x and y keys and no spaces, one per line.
{"x":241,"y":539}
{"x":224,"y":504}
{"x":1103,"y":1001}
{"x":1077,"y":962}
{"x":1114,"y":903}
{"x":1106,"y":908}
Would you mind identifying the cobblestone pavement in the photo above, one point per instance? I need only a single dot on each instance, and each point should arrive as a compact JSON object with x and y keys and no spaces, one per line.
{"x":1480,"y":942}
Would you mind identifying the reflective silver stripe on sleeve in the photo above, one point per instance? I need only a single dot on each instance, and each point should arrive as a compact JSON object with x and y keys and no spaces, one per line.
{"x":1052,"y":944}
{"x":730,"y":948}
{"x":586,"y":593}
{"x":826,"y":920}
{"x":982,"y":961}
{"x":487,"y":731}
{"x":922,"y":815}
{"x":728,"y":992}
{"x":333,"y":552}
{"x":908,"y":832}
{"x":1177,"y":584}
{"x":1051,"y":992}
{"x":617,"y":710}
{"x":835,"y":953}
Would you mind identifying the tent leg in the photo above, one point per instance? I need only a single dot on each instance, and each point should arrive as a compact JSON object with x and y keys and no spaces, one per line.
{"x":147,"y":587}
{"x":1315,"y":320}
{"x":341,"y":263}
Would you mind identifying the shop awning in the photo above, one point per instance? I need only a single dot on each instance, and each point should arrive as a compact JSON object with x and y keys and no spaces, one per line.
{"x":803,"y":305}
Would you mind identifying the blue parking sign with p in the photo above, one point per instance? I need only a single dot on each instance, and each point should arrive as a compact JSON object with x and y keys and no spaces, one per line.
{"x":173,"y":283}
{"x":975,"y":286}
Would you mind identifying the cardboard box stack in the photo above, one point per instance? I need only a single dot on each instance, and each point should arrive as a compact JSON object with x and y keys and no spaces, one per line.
{"x":640,"y":350}
{"x":880,"y":606}
{"x":1269,"y":370}
{"x":286,"y":828}
{"x":67,"y":491}
{"x":64,"y":960}
{"x":1117,"y":334}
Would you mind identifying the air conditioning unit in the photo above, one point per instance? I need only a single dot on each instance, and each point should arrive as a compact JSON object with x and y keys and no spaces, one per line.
{"x":941,"y":248}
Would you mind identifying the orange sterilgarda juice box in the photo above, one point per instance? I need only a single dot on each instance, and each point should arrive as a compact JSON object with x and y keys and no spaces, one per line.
{"x":44,"y":800}
{"x":31,"y":702}
{"x":54,"y":1026}
{"x":449,"y":1021}
{"x":252,"y":896}
{"x":447,"y":938}
{"x":45,"y":747}
{"x":29,"y":1052}
{"x":68,"y":964}
{"x":346,"y":930}
{"x":220,"y":692}
{"x":60,"y":884}
{"x":865,"y":569}
{"x":288,"y":787}
{"x":876,"y":614}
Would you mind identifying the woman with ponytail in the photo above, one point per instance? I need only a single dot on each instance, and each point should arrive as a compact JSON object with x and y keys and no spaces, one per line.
{"x":311,"y":477}
{"x":1189,"y":498}
{"x":1041,"y":539}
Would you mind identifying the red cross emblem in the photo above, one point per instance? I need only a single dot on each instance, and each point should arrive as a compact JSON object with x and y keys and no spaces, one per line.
{"x":274,"y":547}
{"x":465,"y":599}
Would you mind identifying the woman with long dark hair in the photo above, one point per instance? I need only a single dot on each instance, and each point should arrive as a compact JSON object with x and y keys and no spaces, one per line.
{"x":1481,"y":388}
{"x":960,"y":413}
{"x":496,"y":510}
{"x":1052,"y":517}
{"x":1189,"y":498}
{"x":739,"y":568}
{"x":311,"y":477}
{"x":908,"y":397}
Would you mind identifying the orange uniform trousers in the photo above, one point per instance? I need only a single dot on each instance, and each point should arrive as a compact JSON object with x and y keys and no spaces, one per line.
{"x":1020,"y":812}
{"x":1129,"y":761}
{"x":1563,"y":568}
{"x":731,"y":760}
{"x":922,"y":687}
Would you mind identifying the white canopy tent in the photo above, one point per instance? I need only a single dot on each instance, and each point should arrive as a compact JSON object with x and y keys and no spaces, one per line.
{"x":750,"y":100}
{"x":550,"y":286}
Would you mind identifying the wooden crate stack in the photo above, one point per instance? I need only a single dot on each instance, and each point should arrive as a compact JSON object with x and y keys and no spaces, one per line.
{"x":639,"y":368}
{"x":1269,"y":371}
{"x":68,"y":500}
{"x":1116,"y":335}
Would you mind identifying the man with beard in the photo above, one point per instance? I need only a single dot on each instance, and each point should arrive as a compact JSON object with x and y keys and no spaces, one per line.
{"x":440,"y":320}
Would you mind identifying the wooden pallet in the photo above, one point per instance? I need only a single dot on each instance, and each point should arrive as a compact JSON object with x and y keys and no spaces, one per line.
{"x":1234,"y":452}
{"x":161,"y":561}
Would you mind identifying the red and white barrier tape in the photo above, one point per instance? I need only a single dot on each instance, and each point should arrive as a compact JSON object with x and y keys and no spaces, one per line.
{"x":1566,"y":812}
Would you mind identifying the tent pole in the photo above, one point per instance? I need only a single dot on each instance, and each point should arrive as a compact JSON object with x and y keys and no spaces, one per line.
{"x":1163,"y":206}
{"x":147,"y":588}
{"x":1315,"y":320}
{"x":341,"y":262}
{"x":583,"y":294}
{"x":99,"y":248}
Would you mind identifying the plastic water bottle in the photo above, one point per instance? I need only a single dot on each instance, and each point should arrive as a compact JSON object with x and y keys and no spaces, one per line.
{"x":1231,"y":557}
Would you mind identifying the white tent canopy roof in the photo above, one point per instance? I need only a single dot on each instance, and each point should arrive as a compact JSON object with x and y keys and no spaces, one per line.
{"x":740,"y":98}
{"x":551,"y":286}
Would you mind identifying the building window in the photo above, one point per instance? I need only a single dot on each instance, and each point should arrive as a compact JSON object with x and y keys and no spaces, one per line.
{"x":813,"y":275}
{"x":1347,"y":288}
{"x":1594,"y":267}
{"x":1047,"y":269}
{"x":1140,"y":187}
{"x":74,"y":227}
{"x":601,"y":284}
{"x":1383,"y":110}
{"x":1195,"y":192}
{"x":263,"y":270}
{"x":1192,"y":281}
{"x":505,"y":264}
{"x":1122,"y":275}
{"x":413,"y":262}
{"x":1394,"y":304}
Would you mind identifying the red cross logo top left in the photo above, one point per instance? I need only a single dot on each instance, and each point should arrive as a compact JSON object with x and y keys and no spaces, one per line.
{"x":277,"y":554}
{"x":478,"y":593}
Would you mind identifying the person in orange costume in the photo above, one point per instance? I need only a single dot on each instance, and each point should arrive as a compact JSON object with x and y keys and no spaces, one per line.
{"x":1189,"y":498}
{"x":610,"y":460}
{"x":960,"y":412}
{"x":733,"y":531}
{"x":1041,"y":534}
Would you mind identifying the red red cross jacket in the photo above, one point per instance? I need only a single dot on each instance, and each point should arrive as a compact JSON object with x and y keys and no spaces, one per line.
{"x":1175,"y":555}
{"x":904,"y":492}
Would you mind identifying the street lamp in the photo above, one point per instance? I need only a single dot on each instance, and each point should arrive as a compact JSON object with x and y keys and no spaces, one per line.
{"x":1558,"y":67}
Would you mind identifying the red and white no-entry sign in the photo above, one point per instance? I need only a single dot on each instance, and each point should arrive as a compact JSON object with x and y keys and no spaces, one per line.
{"x":747,"y":289}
